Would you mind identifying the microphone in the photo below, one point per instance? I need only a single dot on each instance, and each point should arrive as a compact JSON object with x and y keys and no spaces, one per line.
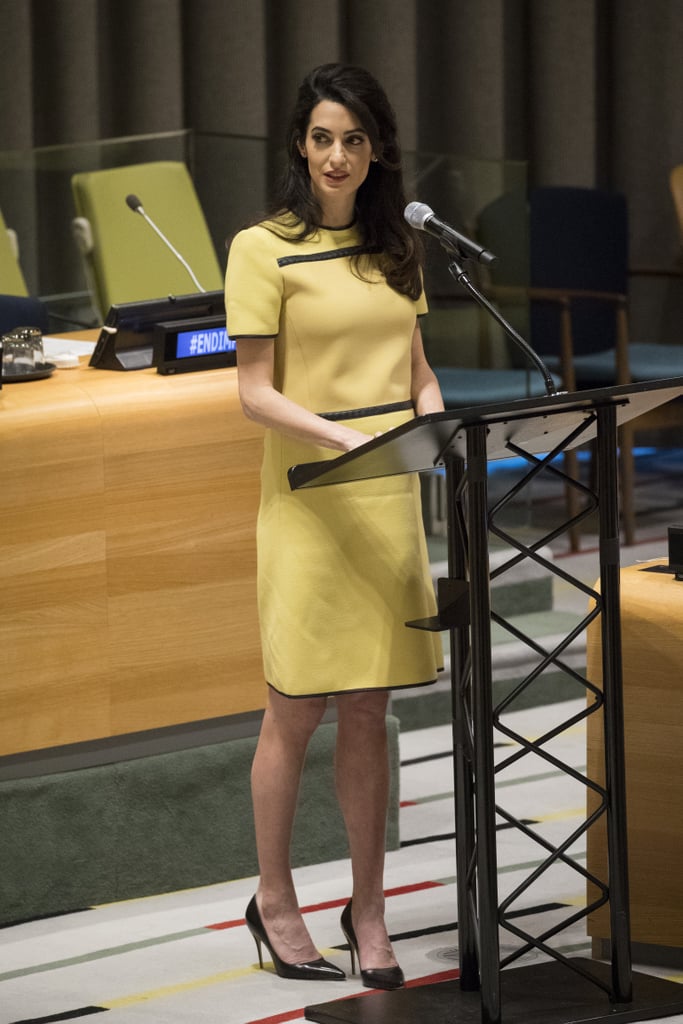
{"x":422,"y":217}
{"x":136,"y":206}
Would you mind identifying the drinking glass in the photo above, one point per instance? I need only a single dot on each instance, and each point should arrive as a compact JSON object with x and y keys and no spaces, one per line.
{"x":22,"y":351}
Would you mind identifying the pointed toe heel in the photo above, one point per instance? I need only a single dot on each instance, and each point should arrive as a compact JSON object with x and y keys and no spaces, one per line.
{"x":387,"y":978}
{"x":314,"y":970}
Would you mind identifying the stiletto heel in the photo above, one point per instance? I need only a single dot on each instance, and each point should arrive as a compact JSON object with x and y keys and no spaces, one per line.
{"x":258,"y":948}
{"x":373,"y":977}
{"x":315,"y":970}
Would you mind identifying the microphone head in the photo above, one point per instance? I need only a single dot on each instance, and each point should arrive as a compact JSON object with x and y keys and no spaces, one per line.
{"x":134,"y":203}
{"x":417,"y":214}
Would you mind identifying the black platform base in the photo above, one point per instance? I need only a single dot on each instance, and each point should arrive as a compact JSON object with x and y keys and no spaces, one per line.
{"x":547,"y":993}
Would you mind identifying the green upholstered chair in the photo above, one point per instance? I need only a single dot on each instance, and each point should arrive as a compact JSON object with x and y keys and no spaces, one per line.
{"x":17,"y":307}
{"x":676,"y":186}
{"x":11,"y":277}
{"x":125,"y":260}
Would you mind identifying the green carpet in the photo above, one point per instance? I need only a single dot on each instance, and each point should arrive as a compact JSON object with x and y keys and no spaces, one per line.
{"x":157,"y":824}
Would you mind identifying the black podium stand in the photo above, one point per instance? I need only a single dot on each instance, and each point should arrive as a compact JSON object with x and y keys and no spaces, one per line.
{"x":563,"y":989}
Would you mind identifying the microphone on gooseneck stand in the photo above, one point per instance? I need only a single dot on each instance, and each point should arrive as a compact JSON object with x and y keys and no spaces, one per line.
{"x":422,"y":217}
{"x":459,"y":247}
{"x":136,"y":206}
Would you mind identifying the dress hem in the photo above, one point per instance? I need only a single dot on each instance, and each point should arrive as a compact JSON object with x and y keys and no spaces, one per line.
{"x":360,"y":689}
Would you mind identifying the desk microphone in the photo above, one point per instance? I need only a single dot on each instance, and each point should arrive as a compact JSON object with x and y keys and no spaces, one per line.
{"x":136,"y":206}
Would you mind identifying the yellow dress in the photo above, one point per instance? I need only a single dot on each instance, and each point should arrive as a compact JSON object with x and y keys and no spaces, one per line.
{"x":342,"y":568}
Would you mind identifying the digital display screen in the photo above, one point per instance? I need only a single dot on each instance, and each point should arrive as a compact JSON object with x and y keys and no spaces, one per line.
{"x":207,"y":341}
{"x":203,"y":343}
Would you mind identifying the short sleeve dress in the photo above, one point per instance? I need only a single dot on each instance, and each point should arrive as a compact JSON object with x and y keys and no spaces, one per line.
{"x":340,"y":569}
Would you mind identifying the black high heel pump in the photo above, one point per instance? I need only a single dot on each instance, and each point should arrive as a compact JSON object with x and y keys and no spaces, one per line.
{"x":373,"y":977}
{"x":315,"y":970}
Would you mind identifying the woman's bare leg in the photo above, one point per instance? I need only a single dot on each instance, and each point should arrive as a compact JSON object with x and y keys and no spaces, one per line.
{"x":288,"y":725}
{"x":362,"y":770}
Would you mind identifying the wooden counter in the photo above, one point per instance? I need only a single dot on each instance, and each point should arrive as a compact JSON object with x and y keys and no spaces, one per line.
{"x":127,"y":555}
{"x":652,"y":649}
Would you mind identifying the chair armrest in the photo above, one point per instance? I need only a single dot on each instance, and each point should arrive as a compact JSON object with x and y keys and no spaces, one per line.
{"x":655,"y":272}
{"x":563,"y":297}
{"x":560,"y":296}
{"x":81,"y":230}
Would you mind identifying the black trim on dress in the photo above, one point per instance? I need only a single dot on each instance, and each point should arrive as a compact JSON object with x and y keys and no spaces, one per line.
{"x":370,"y":410}
{"x":359,"y":689}
{"x":241,"y":337}
{"x":329,"y":254}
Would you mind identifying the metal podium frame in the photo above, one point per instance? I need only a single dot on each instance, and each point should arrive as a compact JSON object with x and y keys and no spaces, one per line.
{"x":561,"y":990}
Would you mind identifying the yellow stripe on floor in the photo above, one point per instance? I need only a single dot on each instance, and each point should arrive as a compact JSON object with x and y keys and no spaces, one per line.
{"x":187,"y":986}
{"x":568,"y":812}
{"x":172,"y":990}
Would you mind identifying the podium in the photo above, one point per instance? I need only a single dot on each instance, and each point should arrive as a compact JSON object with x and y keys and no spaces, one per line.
{"x":489,"y":989}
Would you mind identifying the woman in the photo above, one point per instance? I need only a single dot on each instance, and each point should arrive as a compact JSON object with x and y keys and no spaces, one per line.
{"x":322,"y":298}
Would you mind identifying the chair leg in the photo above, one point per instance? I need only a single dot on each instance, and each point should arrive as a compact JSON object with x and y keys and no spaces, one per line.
{"x":627,"y":483}
{"x":571,"y":468}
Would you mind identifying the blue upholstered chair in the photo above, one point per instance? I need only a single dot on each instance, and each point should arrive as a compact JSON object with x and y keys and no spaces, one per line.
{"x":566,"y":252}
{"x":484,"y":375}
{"x":22,"y":311}
{"x":464,"y":385}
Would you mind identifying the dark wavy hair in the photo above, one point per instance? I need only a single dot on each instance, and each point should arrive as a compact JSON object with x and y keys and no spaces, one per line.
{"x":380,"y":201}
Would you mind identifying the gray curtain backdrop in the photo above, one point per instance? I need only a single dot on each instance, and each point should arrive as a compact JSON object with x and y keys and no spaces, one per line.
{"x":588,"y":92}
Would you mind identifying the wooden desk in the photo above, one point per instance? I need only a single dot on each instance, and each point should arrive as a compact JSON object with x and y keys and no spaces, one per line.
{"x":652,"y":647}
{"x":127,"y":555}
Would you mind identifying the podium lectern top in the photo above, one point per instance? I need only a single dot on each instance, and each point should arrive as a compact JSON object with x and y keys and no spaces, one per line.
{"x":535,"y":424}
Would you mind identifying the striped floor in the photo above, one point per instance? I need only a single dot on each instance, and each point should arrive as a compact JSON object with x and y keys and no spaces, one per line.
{"x":187,"y":956}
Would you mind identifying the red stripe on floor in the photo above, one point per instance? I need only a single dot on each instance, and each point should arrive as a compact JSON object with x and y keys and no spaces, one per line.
{"x":418,"y":887}
{"x":428,"y":979}
{"x":433,"y":979}
{"x":331,"y":904}
{"x":225,"y":924}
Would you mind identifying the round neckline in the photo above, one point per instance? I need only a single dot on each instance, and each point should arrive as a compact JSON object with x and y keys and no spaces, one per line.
{"x":344,"y":227}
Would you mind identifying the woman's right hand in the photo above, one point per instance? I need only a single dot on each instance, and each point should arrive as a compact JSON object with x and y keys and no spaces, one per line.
{"x":356,"y":439}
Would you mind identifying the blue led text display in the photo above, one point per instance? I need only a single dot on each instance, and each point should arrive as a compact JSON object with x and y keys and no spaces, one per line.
{"x":205,"y":342}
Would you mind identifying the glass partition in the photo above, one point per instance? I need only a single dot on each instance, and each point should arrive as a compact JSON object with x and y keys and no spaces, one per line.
{"x":232,"y":175}
{"x":35,"y":197}
{"x":37,"y":203}
{"x":460,"y":190}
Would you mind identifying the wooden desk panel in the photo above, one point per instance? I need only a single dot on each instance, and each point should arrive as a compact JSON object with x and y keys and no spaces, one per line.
{"x":127,"y":529}
{"x":52,"y":565}
{"x":652,"y":650}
